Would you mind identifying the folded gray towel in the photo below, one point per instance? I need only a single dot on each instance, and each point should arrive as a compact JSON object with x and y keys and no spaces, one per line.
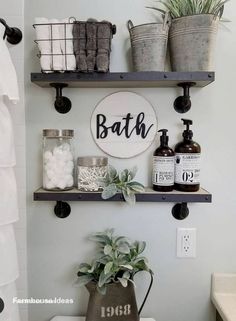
{"x":79,"y":35}
{"x":104,"y":36}
{"x":91,"y":44}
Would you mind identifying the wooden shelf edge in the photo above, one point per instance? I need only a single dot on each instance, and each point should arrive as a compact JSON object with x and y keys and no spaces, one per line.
{"x":202,"y":196}
{"x":123,"y":79}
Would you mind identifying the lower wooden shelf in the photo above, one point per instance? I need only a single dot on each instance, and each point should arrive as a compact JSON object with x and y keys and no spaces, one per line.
{"x":202,"y":196}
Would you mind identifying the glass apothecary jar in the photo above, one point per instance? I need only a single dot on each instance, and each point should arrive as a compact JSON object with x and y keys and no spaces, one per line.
{"x":90,"y":170}
{"x":58,"y":159}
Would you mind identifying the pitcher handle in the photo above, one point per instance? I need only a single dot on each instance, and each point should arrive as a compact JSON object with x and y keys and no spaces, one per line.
{"x":147,"y":294}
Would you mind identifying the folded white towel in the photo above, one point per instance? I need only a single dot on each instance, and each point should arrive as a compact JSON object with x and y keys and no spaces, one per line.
{"x":7,"y":150}
{"x":8,"y":79}
{"x":67,"y":45}
{"x":7,"y":294}
{"x":8,"y":197}
{"x":9,"y":270}
{"x":43,"y":35}
{"x":57,"y":58}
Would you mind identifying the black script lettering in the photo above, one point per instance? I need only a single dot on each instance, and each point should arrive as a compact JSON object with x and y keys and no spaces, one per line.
{"x":115,"y":128}
{"x":139,"y":128}
{"x":127,"y":121}
{"x":101,"y":119}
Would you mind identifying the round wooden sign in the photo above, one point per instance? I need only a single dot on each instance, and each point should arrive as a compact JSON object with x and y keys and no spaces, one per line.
{"x":124,"y":124}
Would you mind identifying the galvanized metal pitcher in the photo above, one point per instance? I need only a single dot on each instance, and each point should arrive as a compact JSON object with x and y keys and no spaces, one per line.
{"x":118,"y":304}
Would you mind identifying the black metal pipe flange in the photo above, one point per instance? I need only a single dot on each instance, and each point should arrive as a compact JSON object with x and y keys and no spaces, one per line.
{"x":1,"y":305}
{"x":182,"y":104}
{"x":180,"y":211}
{"x":62,"y":209}
{"x":62,"y":104}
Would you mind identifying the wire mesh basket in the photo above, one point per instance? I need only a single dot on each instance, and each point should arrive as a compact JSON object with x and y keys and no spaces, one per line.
{"x":74,"y":46}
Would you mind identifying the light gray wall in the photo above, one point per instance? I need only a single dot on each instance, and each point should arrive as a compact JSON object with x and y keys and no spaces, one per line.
{"x":182,"y":287}
{"x":13,"y":12}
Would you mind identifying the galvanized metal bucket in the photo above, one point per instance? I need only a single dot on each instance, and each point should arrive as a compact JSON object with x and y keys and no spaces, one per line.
{"x":149,"y":45}
{"x":118,"y":304}
{"x":192,"y":42}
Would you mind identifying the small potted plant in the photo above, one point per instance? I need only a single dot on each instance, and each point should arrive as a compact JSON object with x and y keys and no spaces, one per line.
{"x":109,"y":278}
{"x":122,"y":182}
{"x":193,"y":31}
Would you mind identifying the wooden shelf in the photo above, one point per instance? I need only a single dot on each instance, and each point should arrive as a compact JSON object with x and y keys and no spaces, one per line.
{"x":202,"y":196}
{"x":123,"y":79}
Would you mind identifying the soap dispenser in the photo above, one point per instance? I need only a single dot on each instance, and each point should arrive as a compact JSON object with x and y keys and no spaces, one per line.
{"x":187,"y":162}
{"x":163,"y":165}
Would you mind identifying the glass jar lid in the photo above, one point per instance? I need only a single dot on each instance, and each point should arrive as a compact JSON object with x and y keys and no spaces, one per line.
{"x":92,"y":161}
{"x":58,"y":133}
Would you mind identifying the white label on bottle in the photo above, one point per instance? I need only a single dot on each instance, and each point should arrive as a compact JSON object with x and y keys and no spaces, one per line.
{"x":187,"y":168}
{"x":163,"y":170}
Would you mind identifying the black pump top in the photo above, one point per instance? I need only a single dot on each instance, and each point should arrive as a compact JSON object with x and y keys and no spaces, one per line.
{"x":164,"y":138}
{"x":187,"y":134}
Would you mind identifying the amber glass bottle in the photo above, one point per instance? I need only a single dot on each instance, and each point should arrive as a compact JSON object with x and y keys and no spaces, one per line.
{"x":187,"y":162}
{"x":163,"y":165}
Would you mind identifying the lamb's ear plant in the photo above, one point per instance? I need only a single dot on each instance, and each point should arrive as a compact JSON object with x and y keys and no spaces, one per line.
{"x":123,"y":183}
{"x":180,"y":8}
{"x":117,"y":261}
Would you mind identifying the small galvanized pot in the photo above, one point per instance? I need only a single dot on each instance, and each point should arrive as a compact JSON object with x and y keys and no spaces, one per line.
{"x":149,"y":45}
{"x":192,"y":42}
{"x":118,"y":304}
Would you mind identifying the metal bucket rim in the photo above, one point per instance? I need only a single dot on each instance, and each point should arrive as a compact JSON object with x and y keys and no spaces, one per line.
{"x":147,"y":24}
{"x":198,"y":14}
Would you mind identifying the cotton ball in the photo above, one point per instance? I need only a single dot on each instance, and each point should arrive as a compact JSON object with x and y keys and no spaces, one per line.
{"x":48,"y":156}
{"x":47,"y":166}
{"x":50,"y":174}
{"x":50,"y":163}
{"x":69,"y":156}
{"x":50,"y":185}
{"x":68,"y":169}
{"x":61,"y":164}
{"x":70,"y":182}
{"x":62,"y":184}
{"x":70,"y":164}
{"x":55,"y":180}
{"x":46,"y":180}
{"x":57,"y":152}
{"x":65,"y":147}
{"x":68,"y":178}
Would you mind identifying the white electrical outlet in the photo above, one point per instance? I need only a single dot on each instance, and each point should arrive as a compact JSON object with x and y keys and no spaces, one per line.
{"x":186,"y":242}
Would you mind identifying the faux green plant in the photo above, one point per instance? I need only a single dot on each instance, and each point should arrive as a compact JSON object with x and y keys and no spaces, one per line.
{"x":117,"y":261}
{"x":123,"y":183}
{"x":180,"y":8}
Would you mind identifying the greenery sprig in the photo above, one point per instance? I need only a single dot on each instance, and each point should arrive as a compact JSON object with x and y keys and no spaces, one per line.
{"x":180,"y":8}
{"x":114,"y":183}
{"x":118,"y":260}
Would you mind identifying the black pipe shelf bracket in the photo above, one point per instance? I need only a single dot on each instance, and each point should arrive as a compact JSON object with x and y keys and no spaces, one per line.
{"x":62,"y":104}
{"x":179,"y":211}
{"x":182,"y":104}
{"x":62,"y":209}
{"x":2,"y":305}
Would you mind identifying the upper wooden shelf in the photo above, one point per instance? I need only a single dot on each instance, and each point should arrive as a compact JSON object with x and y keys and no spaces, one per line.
{"x":123,"y":79}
